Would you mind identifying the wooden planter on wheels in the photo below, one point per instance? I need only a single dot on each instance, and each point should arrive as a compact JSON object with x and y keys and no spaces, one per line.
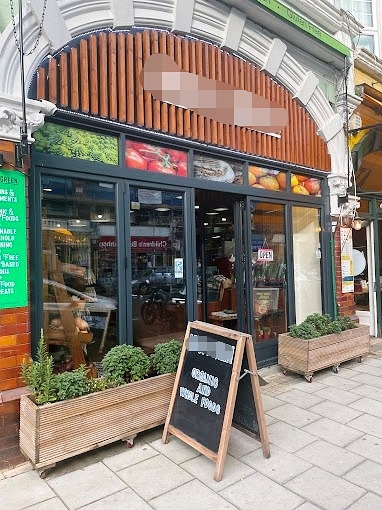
{"x":53,"y":432}
{"x":307,"y":356}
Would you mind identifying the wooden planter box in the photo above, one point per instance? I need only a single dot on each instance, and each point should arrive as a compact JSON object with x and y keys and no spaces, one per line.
{"x":53,"y":432}
{"x":307,"y":356}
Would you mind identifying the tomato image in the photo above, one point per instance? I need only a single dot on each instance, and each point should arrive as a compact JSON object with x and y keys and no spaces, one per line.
{"x":178,"y":156}
{"x":134,"y":160}
{"x":150,"y":152}
{"x":182,"y":169}
{"x":164,"y":166}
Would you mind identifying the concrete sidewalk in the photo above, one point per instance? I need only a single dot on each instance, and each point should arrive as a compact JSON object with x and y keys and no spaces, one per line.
{"x":326,"y":453}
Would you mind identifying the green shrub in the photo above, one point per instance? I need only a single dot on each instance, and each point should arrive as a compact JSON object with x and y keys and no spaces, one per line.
{"x":125,"y":363}
{"x":72,"y":384}
{"x":166,"y":356}
{"x":317,"y":324}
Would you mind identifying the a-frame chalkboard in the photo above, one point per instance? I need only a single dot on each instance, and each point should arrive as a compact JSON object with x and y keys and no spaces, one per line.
{"x":205,"y":401}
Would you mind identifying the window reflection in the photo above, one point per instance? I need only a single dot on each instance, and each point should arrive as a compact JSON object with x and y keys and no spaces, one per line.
{"x":157,"y":266}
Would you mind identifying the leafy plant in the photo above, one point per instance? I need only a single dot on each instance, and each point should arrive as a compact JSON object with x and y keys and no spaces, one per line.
{"x":165,"y":358}
{"x":72,"y":384}
{"x":38,"y":375}
{"x":125,"y":363}
{"x":317,"y":324}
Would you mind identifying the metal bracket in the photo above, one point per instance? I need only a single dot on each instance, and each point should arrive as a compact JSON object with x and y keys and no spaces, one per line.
{"x":247,"y":372}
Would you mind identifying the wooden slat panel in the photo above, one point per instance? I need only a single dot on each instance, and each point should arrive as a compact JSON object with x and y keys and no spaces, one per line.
{"x":212,"y":62}
{"x":179,"y":111}
{"x":131,"y":99}
{"x":103,"y":78}
{"x":223,"y":73}
{"x":84,"y":76}
{"x":194,"y":116}
{"x":121,"y":77}
{"x":41,"y":82}
{"x":74,"y":80}
{"x":186,"y":67}
{"x":63,"y":80}
{"x":156,"y":104}
{"x":52,"y":83}
{"x":164,"y":106}
{"x":199,"y":72}
{"x":112,"y":66}
{"x":206,"y":74}
{"x":93,"y":51}
{"x":147,"y":97}
{"x":139,"y":94}
{"x":171,"y":108}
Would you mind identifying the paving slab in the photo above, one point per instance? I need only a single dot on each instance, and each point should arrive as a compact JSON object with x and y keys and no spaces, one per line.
{"x":130,"y":457}
{"x":240,"y":444}
{"x":367,"y":446}
{"x":121,"y":500}
{"x":330,"y":457}
{"x":190,"y":496}
{"x":203,"y":469}
{"x":309,"y":387}
{"x":300,"y":398}
{"x":367,"y":502}
{"x":84,"y":486}
{"x":294,"y":415}
{"x":337,"y":395}
{"x":335,"y":411}
{"x":366,"y":368}
{"x":375,"y":362}
{"x":325,"y":489}
{"x":342,"y":383}
{"x":332,"y":431}
{"x":23,"y":490}
{"x":270,"y":402}
{"x":371,"y":380}
{"x":369,"y":406}
{"x":176,"y":450}
{"x":147,"y":478}
{"x":308,"y":506}
{"x":269,"y":419}
{"x":368,"y":475}
{"x":287,"y":437}
{"x":368,"y":391}
{"x":368,"y":424}
{"x":257,"y":491}
{"x":49,"y":504}
{"x":280,"y":467}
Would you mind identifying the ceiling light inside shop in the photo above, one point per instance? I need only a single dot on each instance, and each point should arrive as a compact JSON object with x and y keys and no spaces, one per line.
{"x":179,"y":197}
{"x":205,"y":223}
{"x":162,"y":209}
{"x":99,"y":216}
{"x":216,"y":237}
{"x":224,"y":219}
{"x":219,"y":209}
{"x":212,"y":213}
{"x":46,"y":189}
{"x":58,"y":225}
{"x":197,"y":207}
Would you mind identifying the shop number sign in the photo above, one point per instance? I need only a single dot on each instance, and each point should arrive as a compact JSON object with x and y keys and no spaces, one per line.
{"x":13,"y":244}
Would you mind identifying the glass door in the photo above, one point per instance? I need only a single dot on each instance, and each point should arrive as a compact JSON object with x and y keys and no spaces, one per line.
{"x":219,"y":252}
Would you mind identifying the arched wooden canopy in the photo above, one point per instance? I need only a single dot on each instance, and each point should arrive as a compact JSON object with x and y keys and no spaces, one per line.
{"x":98,"y":75}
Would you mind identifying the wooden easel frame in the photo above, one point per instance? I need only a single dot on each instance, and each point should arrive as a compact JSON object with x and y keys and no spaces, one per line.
{"x":244,"y":341}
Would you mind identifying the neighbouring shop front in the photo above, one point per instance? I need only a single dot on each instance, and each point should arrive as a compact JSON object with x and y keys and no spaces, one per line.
{"x":146,"y":216}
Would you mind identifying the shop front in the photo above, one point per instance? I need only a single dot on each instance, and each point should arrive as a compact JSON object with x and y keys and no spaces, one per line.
{"x":141,"y":229}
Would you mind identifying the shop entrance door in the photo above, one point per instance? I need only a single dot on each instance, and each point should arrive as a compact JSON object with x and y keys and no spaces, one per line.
{"x":220,"y":262}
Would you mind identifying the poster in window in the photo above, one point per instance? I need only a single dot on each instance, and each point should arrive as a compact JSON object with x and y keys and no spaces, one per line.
{"x":153,"y":158}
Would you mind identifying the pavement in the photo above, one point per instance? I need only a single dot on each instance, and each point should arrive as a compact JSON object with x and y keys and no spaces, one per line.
{"x":326,"y":453}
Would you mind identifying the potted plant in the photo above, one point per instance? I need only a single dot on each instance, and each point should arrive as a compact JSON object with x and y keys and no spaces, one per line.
{"x":68,"y":413}
{"x":320,"y":342}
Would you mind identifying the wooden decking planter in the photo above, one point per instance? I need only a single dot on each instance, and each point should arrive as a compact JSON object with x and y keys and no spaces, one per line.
{"x":307,"y":356}
{"x":53,"y":432}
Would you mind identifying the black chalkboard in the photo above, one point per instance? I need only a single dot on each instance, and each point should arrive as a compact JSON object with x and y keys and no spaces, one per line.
{"x":192,"y":417}
{"x":245,"y":414}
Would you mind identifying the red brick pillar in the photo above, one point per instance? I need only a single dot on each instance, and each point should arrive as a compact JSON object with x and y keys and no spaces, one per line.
{"x":345,"y":302}
{"x":15,"y":344}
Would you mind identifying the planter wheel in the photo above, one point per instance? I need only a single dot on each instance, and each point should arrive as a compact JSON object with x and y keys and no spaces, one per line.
{"x":285,"y":371}
{"x":43,"y":472}
{"x":336,"y":369}
{"x":130,"y":441}
{"x":309,"y":377}
{"x":360,"y":359}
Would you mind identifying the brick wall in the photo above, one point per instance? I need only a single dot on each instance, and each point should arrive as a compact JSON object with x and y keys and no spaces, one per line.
{"x":345,"y":302}
{"x":15,"y":344}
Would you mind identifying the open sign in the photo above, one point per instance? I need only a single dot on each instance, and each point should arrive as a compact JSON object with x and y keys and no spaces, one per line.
{"x":265,"y":255}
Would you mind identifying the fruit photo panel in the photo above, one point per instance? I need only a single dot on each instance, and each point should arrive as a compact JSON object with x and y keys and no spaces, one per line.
{"x":215,"y":169}
{"x":275,"y":180}
{"x":153,"y":158}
